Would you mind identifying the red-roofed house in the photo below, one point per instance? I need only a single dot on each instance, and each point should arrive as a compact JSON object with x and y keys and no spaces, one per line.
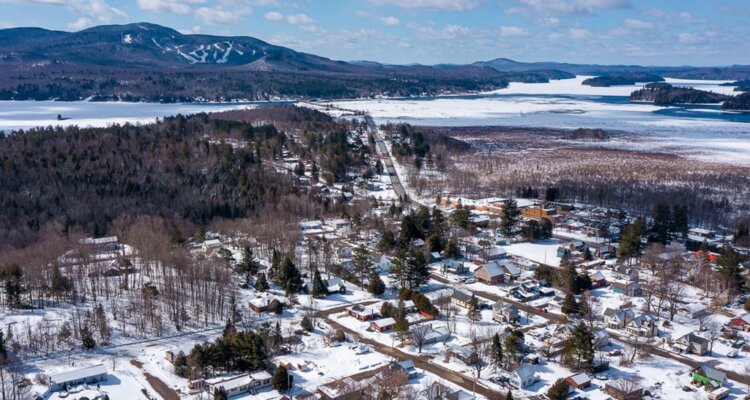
{"x":741,"y":323}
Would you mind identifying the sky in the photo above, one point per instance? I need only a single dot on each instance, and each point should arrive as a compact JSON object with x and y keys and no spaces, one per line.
{"x":655,"y":32}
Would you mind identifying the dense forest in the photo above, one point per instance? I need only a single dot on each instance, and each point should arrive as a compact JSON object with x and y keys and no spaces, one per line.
{"x":191,"y":169}
{"x":739,"y":103}
{"x":622,"y":79}
{"x":666,"y":94}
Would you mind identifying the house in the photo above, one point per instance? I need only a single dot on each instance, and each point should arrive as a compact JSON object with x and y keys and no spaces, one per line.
{"x":504,"y":312}
{"x":438,"y":391}
{"x":562,"y":251}
{"x":461,"y":298}
{"x":264,"y":304}
{"x":695,"y":310}
{"x":628,"y":288}
{"x":741,"y":323}
{"x":700,"y":234}
{"x":235,"y":386}
{"x":311,"y":226}
{"x":621,"y":389}
{"x":522,"y":377}
{"x":618,"y":319}
{"x":642,"y":325}
{"x":382,"y":325}
{"x":539,"y":213}
{"x":489,"y":273}
{"x":101,"y":245}
{"x":363,"y":313}
{"x":334,"y":285}
{"x":510,"y":271}
{"x":438,"y":334}
{"x":496,"y":253}
{"x":604,"y":252}
{"x":601,"y":339}
{"x":407,"y":368}
{"x":435,"y":257}
{"x":579,"y":381}
{"x":454,"y":267}
{"x":65,"y":380}
{"x":576,"y":245}
{"x":463,"y":353}
{"x":692,"y":344}
{"x":382,"y":263}
{"x":709,"y":376}
{"x":210,"y":246}
{"x":597,"y":279}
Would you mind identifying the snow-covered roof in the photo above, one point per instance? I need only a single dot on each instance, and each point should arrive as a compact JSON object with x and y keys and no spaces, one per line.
{"x":580,"y":378}
{"x":101,"y":240}
{"x":492,"y":269}
{"x":78,"y":374}
{"x":385,"y":322}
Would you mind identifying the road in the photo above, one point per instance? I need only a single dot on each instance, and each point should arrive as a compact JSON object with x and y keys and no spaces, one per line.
{"x":389,"y":166}
{"x":421,"y":362}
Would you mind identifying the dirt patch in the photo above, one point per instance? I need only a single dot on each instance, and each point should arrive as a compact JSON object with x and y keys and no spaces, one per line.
{"x":166,"y":392}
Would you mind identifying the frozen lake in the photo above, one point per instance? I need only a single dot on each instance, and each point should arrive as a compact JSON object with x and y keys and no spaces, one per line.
{"x":29,"y":114}
{"x":701,"y":130}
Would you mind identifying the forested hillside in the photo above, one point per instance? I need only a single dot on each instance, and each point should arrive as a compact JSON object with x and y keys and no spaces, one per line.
{"x":188,"y":170}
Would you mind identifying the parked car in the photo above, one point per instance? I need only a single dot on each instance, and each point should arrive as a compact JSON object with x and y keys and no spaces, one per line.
{"x":733,"y":353}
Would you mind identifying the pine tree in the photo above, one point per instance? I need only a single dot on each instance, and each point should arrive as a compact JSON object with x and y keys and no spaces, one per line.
{"x":249,"y":265}
{"x":569,"y":305}
{"x":578,"y":351}
{"x":729,"y":268}
{"x":399,"y":269}
{"x":289,"y":277}
{"x":281,"y":379}
{"x":497,"y":352}
{"x":306,"y":324}
{"x":362,"y":263}
{"x":401,"y":327}
{"x":662,"y":223}
{"x":261,"y":284}
{"x":509,"y":396}
{"x":319,"y":288}
{"x":375,"y":285}
{"x":418,"y":272}
{"x":509,"y":214}
{"x":474,"y":313}
{"x":87,"y":339}
{"x":558,"y":390}
{"x":630,"y":241}
{"x":3,"y":348}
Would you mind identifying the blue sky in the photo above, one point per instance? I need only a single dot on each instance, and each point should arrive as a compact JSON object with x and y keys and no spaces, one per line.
{"x":663,"y":32}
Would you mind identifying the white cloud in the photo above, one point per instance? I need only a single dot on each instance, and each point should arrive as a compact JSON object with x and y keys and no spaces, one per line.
{"x":294,"y":19}
{"x":574,"y":6}
{"x":446,"y":32}
{"x":219,"y":15}
{"x":6,"y":25}
{"x":191,"y":31}
{"x":94,"y":10}
{"x":403,"y":45}
{"x":513,"y":31}
{"x":446,"y":5}
{"x":631,"y":23}
{"x":690,"y":38}
{"x":554,"y":36}
{"x":80,"y":24}
{"x":390,"y":20}
{"x":548,"y":21}
{"x":172,"y":6}
{"x":274,"y":16}
{"x":579,"y":33}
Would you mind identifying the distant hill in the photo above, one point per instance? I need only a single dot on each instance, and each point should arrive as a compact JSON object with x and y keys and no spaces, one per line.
{"x":622,"y":79}
{"x":148,"y":62}
{"x":733,"y":72}
{"x":740,"y":102}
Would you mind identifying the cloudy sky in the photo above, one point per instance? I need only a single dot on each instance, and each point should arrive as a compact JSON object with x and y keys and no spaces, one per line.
{"x":664,"y":32}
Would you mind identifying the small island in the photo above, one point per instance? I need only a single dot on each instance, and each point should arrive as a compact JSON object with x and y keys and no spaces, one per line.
{"x":665,"y":94}
{"x":741,"y":102}
{"x":740,"y":86}
{"x":622,"y":79}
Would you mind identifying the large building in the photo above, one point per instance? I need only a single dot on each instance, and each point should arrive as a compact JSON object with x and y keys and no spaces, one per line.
{"x":65,"y":380}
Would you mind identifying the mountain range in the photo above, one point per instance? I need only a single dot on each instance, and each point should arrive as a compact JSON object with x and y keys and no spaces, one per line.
{"x":145,"y":61}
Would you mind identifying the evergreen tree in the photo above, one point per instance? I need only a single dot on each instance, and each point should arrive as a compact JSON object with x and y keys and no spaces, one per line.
{"x":509,"y":395}
{"x":569,"y":305}
{"x":221,"y":394}
{"x":319,"y":288}
{"x":306,"y":324}
{"x":474,"y":313}
{"x":558,"y":390}
{"x":261,"y":284}
{"x":249,"y":265}
{"x":362,"y":263}
{"x":299,"y":169}
{"x":315,"y":171}
{"x":578,"y":351}
{"x":587,"y":256}
{"x":497,"y":352}
{"x":387,"y":240}
{"x":87,"y":339}
{"x":289,"y":277}
{"x":418,"y":272}
{"x":630,"y":241}
{"x":679,"y":220}
{"x":545,"y":229}
{"x":460,"y":217}
{"x":662,"y":223}
{"x":11,"y":274}
{"x":375,"y":285}
{"x":401,"y":327}
{"x":281,"y":379}
{"x":509,"y":214}
{"x":452,"y":250}
{"x":399,"y":269}
{"x":3,"y":348}
{"x":729,"y":268}
{"x":379,"y":167}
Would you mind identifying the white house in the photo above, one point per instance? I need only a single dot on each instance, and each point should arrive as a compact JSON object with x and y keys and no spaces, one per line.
{"x":523,"y":377}
{"x":64,"y":380}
